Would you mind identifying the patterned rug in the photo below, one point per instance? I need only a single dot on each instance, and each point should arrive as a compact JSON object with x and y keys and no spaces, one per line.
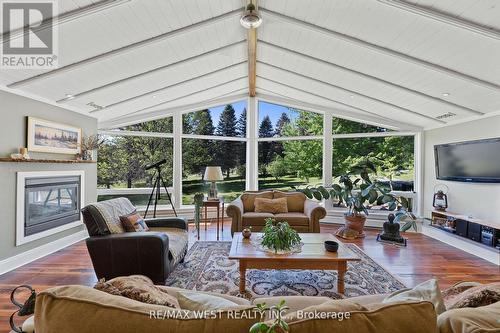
{"x":206,"y":268}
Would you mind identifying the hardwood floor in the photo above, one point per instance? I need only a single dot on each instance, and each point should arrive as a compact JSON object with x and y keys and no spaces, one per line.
{"x":422,"y":259}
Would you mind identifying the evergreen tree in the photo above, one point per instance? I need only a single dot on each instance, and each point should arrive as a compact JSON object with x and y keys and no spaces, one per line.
{"x":196,"y":153}
{"x":225,"y":150}
{"x":282,"y":122}
{"x":241,"y":128}
{"x":265,"y":148}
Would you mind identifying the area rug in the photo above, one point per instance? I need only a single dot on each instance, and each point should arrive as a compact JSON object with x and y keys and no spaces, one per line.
{"x":206,"y":268}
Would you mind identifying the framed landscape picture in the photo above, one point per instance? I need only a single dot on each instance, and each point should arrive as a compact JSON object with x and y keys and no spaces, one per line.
{"x":50,"y":137}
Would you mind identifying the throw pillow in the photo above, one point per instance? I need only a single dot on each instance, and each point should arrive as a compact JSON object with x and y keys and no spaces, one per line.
{"x":189,"y":300}
{"x":426,"y":291}
{"x":474,"y":297}
{"x":133,"y":222}
{"x":274,"y":206}
{"x":450,"y":294}
{"x":139,"y":288}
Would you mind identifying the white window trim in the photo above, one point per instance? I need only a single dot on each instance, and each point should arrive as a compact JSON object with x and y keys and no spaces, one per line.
{"x":252,"y":140}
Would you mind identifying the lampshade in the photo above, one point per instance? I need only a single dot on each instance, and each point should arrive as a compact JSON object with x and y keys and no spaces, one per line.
{"x":213,"y":173}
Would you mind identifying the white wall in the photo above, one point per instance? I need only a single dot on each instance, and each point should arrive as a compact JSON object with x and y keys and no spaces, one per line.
{"x":472,"y":199}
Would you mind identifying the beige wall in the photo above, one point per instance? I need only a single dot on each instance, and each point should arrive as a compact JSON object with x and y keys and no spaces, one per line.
{"x":471,"y":199}
{"x":13,"y":112}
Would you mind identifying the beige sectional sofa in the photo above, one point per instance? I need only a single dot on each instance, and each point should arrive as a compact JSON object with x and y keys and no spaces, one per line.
{"x":82,"y":309}
{"x":85,"y":310}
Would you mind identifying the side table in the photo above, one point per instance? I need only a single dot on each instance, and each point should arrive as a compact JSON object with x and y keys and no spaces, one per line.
{"x":217,"y":203}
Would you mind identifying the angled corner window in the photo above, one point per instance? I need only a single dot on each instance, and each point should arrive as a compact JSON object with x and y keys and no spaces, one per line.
{"x":227,"y":120}
{"x":281,"y":121}
{"x":164,"y":125}
{"x":344,"y":126}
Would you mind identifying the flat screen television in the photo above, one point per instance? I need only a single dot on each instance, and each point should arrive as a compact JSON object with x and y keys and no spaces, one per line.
{"x":472,"y":161}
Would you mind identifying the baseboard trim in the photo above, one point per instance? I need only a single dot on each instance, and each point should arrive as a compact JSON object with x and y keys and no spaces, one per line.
{"x":24,"y":258}
{"x":490,"y":254}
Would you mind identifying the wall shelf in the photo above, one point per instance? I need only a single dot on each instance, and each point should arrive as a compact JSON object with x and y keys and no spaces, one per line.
{"x":35,"y":160}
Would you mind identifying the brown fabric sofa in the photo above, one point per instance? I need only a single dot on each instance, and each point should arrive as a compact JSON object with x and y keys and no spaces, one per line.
{"x":86,"y":310}
{"x":303,"y":214}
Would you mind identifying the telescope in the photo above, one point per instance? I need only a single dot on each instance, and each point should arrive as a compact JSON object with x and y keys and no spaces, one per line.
{"x":157,"y":184}
{"x":156,"y":165}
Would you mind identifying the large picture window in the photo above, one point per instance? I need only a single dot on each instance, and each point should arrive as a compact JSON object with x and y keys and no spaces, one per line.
{"x":121,"y":165}
{"x":197,"y":154}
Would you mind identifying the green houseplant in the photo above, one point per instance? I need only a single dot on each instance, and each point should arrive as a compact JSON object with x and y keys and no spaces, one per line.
{"x":278,"y":326}
{"x":357,"y":191}
{"x":279,"y":236}
{"x":198,"y":202}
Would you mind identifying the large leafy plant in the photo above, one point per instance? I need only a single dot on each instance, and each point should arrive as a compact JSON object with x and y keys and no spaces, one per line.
{"x":279,"y":236}
{"x":357,"y":191}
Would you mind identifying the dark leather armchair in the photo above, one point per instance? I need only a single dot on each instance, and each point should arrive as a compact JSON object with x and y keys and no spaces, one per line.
{"x":154,"y":253}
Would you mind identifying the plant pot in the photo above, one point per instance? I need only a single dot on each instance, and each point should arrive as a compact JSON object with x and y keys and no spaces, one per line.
{"x":356,"y":223}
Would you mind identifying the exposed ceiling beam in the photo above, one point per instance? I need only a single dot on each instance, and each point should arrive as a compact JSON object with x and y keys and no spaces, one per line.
{"x":400,"y":108}
{"x":180,"y":97}
{"x":444,"y":17}
{"x":252,"y":54}
{"x":127,"y":48}
{"x":370,"y":77}
{"x":62,"y":18}
{"x":143,"y":74}
{"x":133,"y":119}
{"x":374,"y":120}
{"x":252,"y":61}
{"x":334,"y":100}
{"x":382,"y":50}
{"x":155,"y":91}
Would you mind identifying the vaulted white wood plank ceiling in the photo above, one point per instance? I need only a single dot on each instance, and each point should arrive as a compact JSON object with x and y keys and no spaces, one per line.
{"x":422,"y":63}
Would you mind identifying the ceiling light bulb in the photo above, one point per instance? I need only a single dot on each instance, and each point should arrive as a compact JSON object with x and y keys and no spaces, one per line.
{"x":69,"y":96}
{"x":352,"y":96}
{"x":250,"y":18}
{"x":446,"y":94}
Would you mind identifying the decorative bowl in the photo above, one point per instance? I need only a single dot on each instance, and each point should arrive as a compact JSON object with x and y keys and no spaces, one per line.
{"x":331,"y":246}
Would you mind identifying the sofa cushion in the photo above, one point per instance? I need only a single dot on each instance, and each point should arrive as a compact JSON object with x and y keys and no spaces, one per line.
{"x":177,"y":243}
{"x":133,"y":222}
{"x":86,"y":310}
{"x":139,"y":288}
{"x":255,"y":219}
{"x":293,"y":218}
{"x":425,"y":291}
{"x":408,"y":317}
{"x":294,"y":303}
{"x":295,"y":200}
{"x":248,"y":199}
{"x":274,"y":206}
{"x":474,"y":297}
{"x":467,"y":320}
{"x":194,"y":301}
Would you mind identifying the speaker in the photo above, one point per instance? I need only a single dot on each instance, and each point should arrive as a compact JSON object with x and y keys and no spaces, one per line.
{"x":474,"y":231}
{"x":461,"y":227}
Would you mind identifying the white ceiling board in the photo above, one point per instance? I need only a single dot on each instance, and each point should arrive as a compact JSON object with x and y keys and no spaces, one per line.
{"x":206,"y":93}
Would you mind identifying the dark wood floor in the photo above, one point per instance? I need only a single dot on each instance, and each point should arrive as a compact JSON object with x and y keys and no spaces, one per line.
{"x":423,"y":259}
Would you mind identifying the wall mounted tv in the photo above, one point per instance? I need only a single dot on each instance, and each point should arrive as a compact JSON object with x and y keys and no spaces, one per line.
{"x":472,"y":161}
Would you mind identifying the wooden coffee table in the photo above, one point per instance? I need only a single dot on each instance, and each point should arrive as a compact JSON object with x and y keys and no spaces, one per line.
{"x":312,"y":256}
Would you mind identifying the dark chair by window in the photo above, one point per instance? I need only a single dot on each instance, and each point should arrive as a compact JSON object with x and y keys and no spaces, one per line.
{"x":153,"y":253}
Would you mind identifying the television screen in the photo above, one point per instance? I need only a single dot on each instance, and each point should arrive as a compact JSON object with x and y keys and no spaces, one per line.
{"x":472,"y":161}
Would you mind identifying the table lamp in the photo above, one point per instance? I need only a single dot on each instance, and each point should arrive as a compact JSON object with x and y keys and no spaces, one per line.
{"x":213,"y":174}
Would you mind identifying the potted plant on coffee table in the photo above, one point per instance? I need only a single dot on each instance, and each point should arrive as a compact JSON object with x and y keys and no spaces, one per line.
{"x":279,"y":237}
{"x":357,"y":192}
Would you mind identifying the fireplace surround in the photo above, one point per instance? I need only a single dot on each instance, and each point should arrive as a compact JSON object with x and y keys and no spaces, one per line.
{"x":48,"y":202}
